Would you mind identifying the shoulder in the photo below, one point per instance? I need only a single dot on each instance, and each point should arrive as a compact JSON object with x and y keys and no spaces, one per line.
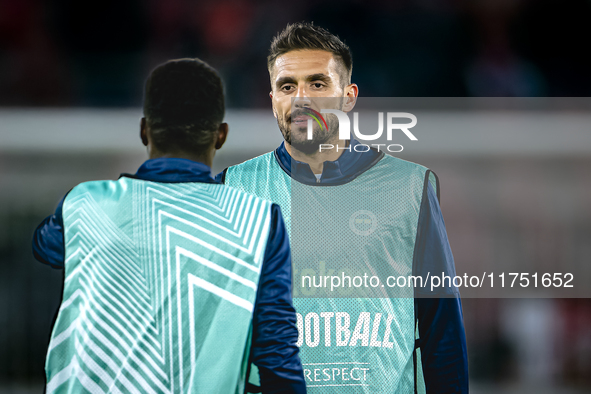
{"x":242,"y":194}
{"x":96,"y":188}
{"x":402,"y":164}
{"x":254,"y":163}
{"x":253,"y":172}
{"x":114,"y":192}
{"x":397,"y":169}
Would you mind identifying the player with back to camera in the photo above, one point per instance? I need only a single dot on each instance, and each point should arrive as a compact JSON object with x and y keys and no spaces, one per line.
{"x":401,"y":344}
{"x":172,"y":282}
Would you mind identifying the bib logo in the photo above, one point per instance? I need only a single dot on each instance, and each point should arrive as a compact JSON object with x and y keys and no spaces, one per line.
{"x":345,"y":129}
{"x":363,"y":223}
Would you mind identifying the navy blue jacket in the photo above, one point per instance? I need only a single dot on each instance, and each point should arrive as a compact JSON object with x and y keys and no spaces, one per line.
{"x":442,"y":338}
{"x":274,"y":323}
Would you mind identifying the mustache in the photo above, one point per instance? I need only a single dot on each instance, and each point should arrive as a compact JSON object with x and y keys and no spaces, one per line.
{"x":296,"y":113}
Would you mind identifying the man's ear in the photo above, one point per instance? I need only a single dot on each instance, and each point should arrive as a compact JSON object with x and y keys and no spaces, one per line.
{"x":222,"y":134}
{"x":144,"y":131}
{"x":351,"y":92}
{"x":273,"y":106}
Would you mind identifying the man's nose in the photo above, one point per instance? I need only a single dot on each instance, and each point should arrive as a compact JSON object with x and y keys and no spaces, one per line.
{"x":301,"y":99}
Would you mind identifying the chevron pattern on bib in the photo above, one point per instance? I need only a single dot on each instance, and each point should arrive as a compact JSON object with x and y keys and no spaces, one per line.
{"x":157,"y":277}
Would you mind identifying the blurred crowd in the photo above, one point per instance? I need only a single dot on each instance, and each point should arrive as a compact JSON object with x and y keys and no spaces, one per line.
{"x":71,"y":53}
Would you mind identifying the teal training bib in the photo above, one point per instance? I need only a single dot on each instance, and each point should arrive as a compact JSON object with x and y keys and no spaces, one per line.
{"x":355,"y":339}
{"x":160,"y":285}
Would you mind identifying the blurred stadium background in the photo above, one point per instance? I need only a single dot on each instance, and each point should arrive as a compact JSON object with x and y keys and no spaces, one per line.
{"x":71,"y":76}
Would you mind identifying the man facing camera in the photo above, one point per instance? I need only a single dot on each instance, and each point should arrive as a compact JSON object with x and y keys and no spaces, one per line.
{"x":172,"y":282}
{"x":354,"y":213}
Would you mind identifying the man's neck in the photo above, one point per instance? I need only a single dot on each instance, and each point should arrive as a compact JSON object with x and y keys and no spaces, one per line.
{"x":316,"y":160}
{"x":182,"y":155}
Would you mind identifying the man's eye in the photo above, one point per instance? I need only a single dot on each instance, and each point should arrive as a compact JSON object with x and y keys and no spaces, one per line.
{"x":318,"y":85}
{"x":287,"y":88}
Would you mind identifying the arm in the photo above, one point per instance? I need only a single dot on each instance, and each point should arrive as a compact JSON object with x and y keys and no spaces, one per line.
{"x":48,"y":239}
{"x":274,"y":349}
{"x":442,"y":339}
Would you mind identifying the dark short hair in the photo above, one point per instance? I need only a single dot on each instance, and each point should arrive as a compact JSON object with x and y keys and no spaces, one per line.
{"x":184,"y":105}
{"x":304,"y":35}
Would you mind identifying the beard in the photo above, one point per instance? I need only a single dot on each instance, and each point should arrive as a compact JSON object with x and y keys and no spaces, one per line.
{"x":297,"y":136}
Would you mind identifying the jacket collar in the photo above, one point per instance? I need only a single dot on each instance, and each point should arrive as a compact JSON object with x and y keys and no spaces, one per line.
{"x":347,"y":167}
{"x":173,"y":170}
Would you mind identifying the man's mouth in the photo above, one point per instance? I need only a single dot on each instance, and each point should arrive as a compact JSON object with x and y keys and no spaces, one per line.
{"x":300,"y":120}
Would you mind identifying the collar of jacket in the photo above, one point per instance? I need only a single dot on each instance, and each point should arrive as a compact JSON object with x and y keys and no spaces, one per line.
{"x":173,"y":170}
{"x":347,"y":167}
